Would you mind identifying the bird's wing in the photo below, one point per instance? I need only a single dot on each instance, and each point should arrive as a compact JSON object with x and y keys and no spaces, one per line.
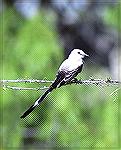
{"x":59,"y":78}
{"x":73,"y":73}
{"x":69,"y":75}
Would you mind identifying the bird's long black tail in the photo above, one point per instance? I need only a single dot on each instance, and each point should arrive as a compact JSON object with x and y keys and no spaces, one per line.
{"x":57,"y":81}
{"x":38,"y":101}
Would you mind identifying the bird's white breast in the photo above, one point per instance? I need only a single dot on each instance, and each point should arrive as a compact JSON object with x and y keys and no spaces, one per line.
{"x":70,"y":64}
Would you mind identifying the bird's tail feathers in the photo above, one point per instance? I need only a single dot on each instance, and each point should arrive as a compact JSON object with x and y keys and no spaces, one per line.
{"x":40,"y":99}
{"x":37,"y":102}
{"x":26,"y":113}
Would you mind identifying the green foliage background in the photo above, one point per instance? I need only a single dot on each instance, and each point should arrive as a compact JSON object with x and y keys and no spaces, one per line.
{"x":73,"y":116}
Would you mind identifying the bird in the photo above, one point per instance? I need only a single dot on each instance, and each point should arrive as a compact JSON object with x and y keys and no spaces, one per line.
{"x":67,"y":72}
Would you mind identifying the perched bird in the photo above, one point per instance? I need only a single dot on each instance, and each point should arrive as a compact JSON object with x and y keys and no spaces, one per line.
{"x":68,"y":70}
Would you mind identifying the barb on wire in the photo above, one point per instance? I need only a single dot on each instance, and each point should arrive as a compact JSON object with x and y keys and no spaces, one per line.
{"x":96,"y":82}
{"x":91,"y":81}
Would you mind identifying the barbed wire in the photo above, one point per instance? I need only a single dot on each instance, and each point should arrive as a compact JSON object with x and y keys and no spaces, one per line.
{"x":91,"y":81}
{"x":25,"y":81}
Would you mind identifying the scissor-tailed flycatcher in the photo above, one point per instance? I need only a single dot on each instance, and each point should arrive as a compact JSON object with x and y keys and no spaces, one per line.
{"x":68,"y":70}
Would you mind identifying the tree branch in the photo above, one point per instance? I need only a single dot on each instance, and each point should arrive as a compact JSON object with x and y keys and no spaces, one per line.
{"x":91,"y":81}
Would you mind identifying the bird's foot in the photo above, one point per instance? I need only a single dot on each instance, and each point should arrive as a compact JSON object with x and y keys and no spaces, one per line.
{"x":74,"y":80}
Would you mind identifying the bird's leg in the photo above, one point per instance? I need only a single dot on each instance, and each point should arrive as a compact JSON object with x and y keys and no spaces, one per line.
{"x":74,"y":80}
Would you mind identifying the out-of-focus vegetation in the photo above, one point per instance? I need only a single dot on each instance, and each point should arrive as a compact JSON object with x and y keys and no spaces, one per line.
{"x":76,"y":116}
{"x":112,"y":16}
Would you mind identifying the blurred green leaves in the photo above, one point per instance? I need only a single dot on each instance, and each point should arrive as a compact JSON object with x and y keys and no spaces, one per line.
{"x":112,"y":15}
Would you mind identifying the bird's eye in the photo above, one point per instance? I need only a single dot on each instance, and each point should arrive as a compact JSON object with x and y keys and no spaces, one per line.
{"x":78,"y":52}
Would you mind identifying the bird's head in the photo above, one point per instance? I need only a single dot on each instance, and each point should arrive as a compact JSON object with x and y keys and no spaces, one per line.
{"x":77,"y":54}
